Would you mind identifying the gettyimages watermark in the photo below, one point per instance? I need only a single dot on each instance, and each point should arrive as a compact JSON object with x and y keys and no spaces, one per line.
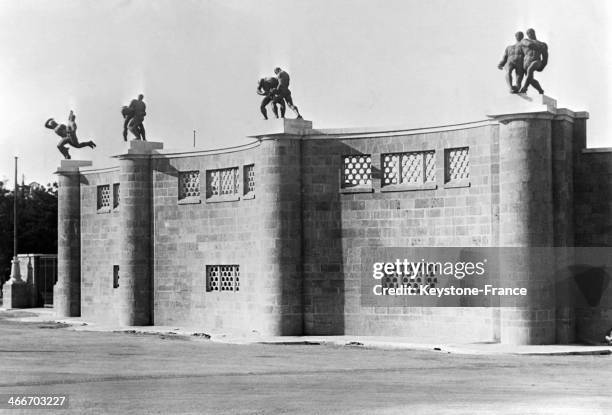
{"x":483,"y":277}
{"x":404,"y":277}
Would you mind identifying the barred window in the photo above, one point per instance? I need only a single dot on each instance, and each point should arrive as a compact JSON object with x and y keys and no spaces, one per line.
{"x":189,"y":185}
{"x":249,"y":179}
{"x":115,"y":195}
{"x":222,"y":182}
{"x":416,"y":167}
{"x":457,"y":164}
{"x":357,"y":171}
{"x":104,"y":197}
{"x":223,"y":278}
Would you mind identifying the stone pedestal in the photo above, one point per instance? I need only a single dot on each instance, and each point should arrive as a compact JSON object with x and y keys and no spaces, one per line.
{"x":67,"y":290}
{"x":135,"y":262}
{"x":15,"y":292}
{"x":282,"y":126}
{"x":514,"y":104}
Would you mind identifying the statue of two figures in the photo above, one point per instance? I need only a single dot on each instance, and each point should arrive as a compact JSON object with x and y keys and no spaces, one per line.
{"x":524,"y":58}
{"x":275,"y":90}
{"x":133,"y":118}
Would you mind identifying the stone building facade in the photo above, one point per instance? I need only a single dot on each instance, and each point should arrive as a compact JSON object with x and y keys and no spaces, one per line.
{"x":271,"y":237}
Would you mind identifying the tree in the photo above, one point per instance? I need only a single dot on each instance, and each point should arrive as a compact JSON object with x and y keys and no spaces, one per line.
{"x":36,"y":225}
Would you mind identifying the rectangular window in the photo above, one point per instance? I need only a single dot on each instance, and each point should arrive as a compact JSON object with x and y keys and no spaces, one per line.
{"x":356,"y":171}
{"x":249,"y":181}
{"x":412,"y":168}
{"x":456,"y":164}
{"x":223,"y":278}
{"x":115,"y":195}
{"x":223,"y":184}
{"x":104,"y":198}
{"x":189,"y":186}
{"x":115,"y":276}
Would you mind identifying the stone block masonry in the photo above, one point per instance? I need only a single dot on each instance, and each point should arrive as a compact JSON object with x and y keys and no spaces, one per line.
{"x":271,"y":237}
{"x":135,"y":259}
{"x":67,"y":290}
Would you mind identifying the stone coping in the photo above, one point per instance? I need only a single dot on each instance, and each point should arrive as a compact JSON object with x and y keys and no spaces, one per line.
{"x":302,"y":129}
{"x":370,"y":132}
{"x":92,"y":170}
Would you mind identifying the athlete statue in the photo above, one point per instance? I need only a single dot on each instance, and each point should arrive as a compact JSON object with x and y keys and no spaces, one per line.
{"x":513,"y":62}
{"x":283,"y":92}
{"x":536,"y":59}
{"x":68,"y":134}
{"x":265,"y":87}
{"x":133,"y":116}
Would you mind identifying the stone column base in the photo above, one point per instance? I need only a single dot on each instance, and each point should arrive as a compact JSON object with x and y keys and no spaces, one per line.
{"x":15,"y":294}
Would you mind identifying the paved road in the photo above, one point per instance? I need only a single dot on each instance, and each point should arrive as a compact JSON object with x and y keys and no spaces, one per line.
{"x":118,"y":373}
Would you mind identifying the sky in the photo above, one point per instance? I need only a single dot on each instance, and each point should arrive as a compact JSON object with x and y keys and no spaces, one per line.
{"x":352,"y":63}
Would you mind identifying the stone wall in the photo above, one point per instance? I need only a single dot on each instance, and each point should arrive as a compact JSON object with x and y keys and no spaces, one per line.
{"x":339,"y":224}
{"x":593,"y":224}
{"x":257,"y":230}
{"x":272,"y":237}
{"x":99,"y":246}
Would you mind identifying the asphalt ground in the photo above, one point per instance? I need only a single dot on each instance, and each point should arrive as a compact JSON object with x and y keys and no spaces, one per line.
{"x":132,"y":373}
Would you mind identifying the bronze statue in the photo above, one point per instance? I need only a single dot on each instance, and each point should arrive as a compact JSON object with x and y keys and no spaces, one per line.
{"x":536,"y":59}
{"x":68,"y":134}
{"x":513,"y":61}
{"x":133,"y":116}
{"x":283,"y":92}
{"x":266,"y":88}
{"x":128,"y":114}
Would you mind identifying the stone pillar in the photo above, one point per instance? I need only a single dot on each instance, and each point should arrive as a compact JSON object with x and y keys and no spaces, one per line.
{"x":135,"y":270}
{"x":67,"y":290}
{"x":526,"y":229}
{"x":281,"y":311}
{"x":526,"y":224}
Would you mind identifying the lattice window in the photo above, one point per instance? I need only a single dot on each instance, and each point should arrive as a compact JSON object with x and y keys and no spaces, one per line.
{"x":396,"y":280}
{"x":223,"y":278}
{"x":189,"y":185}
{"x":430,"y":166}
{"x":115,"y":195}
{"x":457,"y":164}
{"x":223,"y":182}
{"x":357,"y":171}
{"x":104,"y":197}
{"x":249,"y":179}
{"x":416,"y":167}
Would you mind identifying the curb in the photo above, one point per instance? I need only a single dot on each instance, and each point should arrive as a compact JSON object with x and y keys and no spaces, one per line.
{"x":77,"y":324}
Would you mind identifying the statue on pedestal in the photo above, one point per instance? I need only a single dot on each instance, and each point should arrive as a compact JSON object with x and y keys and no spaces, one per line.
{"x":536,"y":59}
{"x":133,"y":116}
{"x":265,"y":87}
{"x":524,"y":58}
{"x":68,"y":134}
{"x":283,"y":92}
{"x":513,"y":62}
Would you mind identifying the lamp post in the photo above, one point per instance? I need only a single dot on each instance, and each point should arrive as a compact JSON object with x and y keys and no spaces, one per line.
{"x":15,"y":271}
